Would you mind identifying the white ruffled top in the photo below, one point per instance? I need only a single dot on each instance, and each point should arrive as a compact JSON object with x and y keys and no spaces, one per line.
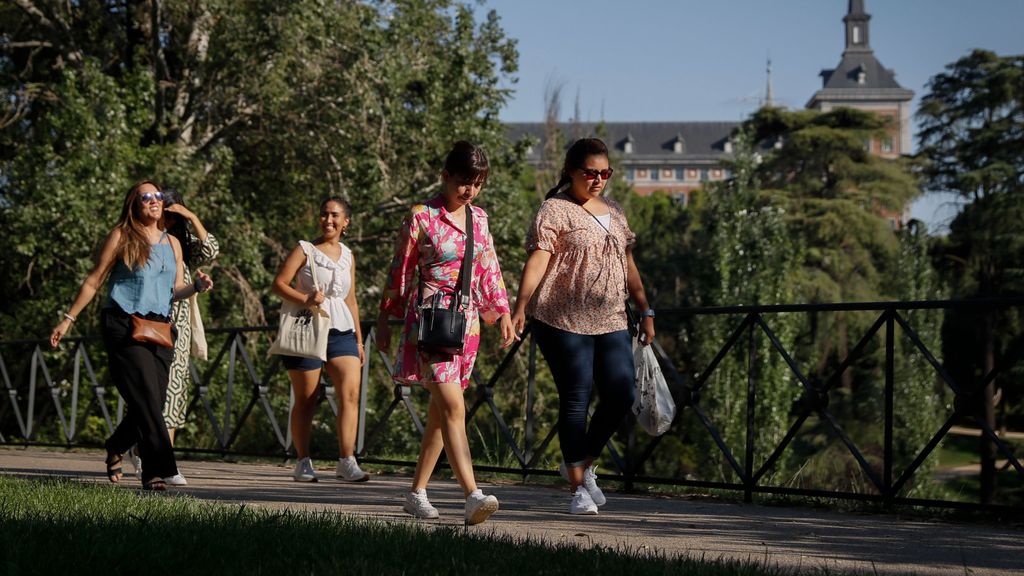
{"x":335,"y":280}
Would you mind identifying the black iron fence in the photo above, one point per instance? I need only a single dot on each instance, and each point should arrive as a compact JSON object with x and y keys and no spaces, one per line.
{"x":47,"y":395}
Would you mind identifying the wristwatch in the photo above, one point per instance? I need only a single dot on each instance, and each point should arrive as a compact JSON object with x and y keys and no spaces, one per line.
{"x":649,"y":313}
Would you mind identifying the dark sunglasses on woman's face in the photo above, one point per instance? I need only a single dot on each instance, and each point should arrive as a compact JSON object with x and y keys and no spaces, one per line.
{"x":150,"y":196}
{"x":591,"y":174}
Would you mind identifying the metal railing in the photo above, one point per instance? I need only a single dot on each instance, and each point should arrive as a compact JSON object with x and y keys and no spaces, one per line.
{"x":254,"y":385}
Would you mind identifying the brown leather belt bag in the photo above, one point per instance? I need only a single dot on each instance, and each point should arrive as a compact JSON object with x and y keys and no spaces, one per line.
{"x":152,"y":331}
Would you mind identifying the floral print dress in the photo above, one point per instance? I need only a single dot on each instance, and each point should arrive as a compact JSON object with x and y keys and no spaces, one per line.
{"x":432,"y":246}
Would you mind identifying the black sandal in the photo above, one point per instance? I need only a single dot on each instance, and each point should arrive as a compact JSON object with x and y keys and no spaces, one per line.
{"x":155,"y":484}
{"x":114,"y":471}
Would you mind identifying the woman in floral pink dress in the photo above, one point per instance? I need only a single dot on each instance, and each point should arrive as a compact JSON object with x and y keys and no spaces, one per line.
{"x":432,"y":243}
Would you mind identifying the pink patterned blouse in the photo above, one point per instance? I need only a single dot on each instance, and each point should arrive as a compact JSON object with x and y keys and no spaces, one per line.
{"x":584,"y":288}
{"x":431,"y":245}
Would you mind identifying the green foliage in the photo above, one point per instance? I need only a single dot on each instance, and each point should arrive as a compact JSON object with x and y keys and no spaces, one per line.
{"x":747,"y":255}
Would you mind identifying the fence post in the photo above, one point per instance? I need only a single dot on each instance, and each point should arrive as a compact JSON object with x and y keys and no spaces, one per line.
{"x":890,"y":366}
{"x":748,"y":464}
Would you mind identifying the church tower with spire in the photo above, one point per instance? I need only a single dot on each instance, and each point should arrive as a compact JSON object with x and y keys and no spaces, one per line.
{"x":860,"y":81}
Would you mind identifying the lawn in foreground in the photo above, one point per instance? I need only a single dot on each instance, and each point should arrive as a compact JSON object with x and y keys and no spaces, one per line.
{"x":66,"y":527}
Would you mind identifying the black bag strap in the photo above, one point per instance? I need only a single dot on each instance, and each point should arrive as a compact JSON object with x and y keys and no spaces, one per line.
{"x":465,"y":272}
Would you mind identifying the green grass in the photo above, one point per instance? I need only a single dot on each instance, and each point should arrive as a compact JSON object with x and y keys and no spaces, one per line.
{"x":65,"y":527}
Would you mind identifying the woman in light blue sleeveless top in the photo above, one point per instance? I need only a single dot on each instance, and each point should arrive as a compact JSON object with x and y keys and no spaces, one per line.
{"x":144,"y":268}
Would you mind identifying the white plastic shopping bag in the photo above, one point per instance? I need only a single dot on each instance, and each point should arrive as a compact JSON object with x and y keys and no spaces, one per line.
{"x":653,"y":406}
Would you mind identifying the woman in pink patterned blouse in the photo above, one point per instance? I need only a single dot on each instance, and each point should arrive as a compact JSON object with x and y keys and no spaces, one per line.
{"x":432,"y":243}
{"x":574,"y":286}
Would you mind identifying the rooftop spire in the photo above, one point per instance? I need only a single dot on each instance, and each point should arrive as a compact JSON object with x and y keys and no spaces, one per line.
{"x":856,"y":21}
{"x":769,"y":93}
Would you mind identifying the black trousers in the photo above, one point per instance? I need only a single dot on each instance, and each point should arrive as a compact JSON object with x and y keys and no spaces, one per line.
{"x":140,"y":371}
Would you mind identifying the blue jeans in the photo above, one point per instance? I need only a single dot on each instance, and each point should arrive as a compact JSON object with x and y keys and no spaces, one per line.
{"x":579,"y":362}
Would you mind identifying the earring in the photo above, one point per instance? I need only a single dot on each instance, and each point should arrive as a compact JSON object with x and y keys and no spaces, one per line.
{"x":344,"y":230}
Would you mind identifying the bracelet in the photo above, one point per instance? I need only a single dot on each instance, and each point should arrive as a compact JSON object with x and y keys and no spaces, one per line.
{"x":195,"y":286}
{"x":68,"y":316}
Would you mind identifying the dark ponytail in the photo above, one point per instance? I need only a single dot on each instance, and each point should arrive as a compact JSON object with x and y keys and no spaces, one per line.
{"x":575,"y":156}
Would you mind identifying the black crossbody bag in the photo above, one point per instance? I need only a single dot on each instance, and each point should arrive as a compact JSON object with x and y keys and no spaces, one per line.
{"x":443,"y":330}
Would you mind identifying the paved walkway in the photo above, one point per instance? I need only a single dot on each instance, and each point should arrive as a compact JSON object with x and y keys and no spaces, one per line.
{"x":796,"y":538}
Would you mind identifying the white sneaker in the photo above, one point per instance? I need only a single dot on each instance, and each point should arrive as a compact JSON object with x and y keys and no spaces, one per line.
{"x":176,"y":480}
{"x":135,"y":460}
{"x":416,"y":503}
{"x":589,"y":481}
{"x":582,"y":503}
{"x":349,"y":471}
{"x":479,"y":507}
{"x":304,"y":471}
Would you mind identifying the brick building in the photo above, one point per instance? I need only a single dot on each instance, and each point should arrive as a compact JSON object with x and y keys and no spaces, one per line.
{"x":678,"y":157}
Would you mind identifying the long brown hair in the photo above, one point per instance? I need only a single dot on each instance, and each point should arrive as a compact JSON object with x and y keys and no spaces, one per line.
{"x":133,"y":247}
{"x":575,"y":156}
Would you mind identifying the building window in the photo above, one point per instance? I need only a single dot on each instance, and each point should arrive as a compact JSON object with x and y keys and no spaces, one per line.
{"x":692,"y":174}
{"x":641,"y":174}
{"x":703,"y":174}
{"x":630,"y":174}
{"x":654,"y":174}
{"x":628,"y":147}
{"x":867,"y":144}
{"x":677,"y":147}
{"x":887,"y":145}
{"x":716,"y":174}
{"x":667,"y":174}
{"x":856,"y":34}
{"x":680,"y":174}
{"x":682,"y":198}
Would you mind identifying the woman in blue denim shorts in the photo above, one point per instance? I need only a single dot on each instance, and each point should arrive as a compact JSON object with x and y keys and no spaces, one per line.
{"x":336,"y":276}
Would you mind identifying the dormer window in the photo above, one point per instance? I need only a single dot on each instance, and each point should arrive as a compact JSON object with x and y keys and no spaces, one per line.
{"x":728,"y":146}
{"x":627,"y":144}
{"x":860,"y":73}
{"x":679,"y":145}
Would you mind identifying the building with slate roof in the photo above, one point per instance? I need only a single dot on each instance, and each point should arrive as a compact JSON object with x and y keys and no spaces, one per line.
{"x":678,"y":157}
{"x":860,"y":81}
{"x":674,"y":157}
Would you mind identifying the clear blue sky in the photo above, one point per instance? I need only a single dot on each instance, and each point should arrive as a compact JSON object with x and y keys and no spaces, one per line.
{"x":705,"y":59}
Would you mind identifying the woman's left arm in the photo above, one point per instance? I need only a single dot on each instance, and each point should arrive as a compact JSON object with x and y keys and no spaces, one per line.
{"x":636,"y":291}
{"x":493,"y":295}
{"x":353,"y":307}
{"x":182,"y":290}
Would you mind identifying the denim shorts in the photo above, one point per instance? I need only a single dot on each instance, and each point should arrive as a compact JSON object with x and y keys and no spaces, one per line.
{"x":338,"y":344}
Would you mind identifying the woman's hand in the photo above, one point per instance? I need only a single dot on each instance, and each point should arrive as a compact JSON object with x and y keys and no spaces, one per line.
{"x":646,"y":331}
{"x":315,"y":299}
{"x":203,"y":282}
{"x":508,"y":332}
{"x":382,"y":333}
{"x":518,"y":323}
{"x":181,"y":211}
{"x":59,"y":331}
